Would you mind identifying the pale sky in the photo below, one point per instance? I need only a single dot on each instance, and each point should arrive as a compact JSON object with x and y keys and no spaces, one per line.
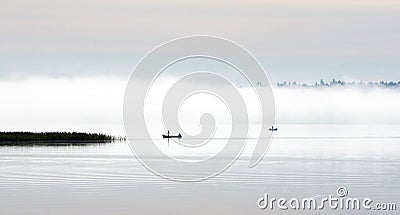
{"x":302,"y":40}
{"x":67,"y":62}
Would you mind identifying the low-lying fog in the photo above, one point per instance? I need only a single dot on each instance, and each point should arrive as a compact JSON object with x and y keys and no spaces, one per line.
{"x":52,"y":104}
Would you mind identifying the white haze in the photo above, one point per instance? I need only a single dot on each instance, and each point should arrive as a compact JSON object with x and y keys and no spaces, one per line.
{"x":95,"y":104}
{"x":338,"y":106}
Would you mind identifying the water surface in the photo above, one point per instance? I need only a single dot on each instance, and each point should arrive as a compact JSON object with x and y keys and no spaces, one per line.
{"x":303,"y":161}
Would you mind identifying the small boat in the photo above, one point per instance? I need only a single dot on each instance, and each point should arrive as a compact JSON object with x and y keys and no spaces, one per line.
{"x":272,"y":129}
{"x":172,"y":136}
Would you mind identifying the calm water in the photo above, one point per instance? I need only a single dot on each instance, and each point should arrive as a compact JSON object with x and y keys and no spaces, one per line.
{"x":303,"y":161}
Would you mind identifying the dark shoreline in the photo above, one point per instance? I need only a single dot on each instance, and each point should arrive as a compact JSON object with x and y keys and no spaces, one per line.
{"x":53,"y":138}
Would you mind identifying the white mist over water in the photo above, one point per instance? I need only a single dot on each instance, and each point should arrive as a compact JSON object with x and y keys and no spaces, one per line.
{"x":62,"y":104}
{"x":338,"y":105}
{"x":93,"y":104}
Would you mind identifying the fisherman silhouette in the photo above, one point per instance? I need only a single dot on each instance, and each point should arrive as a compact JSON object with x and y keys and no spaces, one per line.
{"x":272,"y":129}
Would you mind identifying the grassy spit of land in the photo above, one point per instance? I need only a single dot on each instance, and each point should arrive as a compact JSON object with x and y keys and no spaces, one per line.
{"x":17,"y":138}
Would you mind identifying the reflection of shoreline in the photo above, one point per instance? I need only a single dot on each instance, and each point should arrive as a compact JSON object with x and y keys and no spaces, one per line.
{"x":54,"y":138}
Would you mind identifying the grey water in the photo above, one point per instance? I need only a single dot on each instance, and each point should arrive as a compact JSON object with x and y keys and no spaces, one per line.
{"x":303,"y":161}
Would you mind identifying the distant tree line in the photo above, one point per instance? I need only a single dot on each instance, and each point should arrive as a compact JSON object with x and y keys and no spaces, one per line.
{"x":51,"y":137}
{"x":339,"y":83}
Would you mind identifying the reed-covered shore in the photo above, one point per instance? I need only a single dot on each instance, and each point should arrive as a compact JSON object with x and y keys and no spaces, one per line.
{"x":7,"y":138}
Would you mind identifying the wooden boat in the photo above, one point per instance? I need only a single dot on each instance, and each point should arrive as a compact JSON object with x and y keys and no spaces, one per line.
{"x":172,"y":136}
{"x":273,"y":129}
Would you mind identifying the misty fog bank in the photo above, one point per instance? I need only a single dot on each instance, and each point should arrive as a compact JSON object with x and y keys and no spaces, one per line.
{"x":338,"y":106}
{"x":78,"y":102}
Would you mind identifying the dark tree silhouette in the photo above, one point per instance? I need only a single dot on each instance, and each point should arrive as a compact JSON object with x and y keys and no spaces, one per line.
{"x":339,"y":83}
